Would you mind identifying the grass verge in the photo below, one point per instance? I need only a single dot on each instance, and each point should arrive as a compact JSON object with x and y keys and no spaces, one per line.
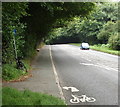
{"x":102,"y":48}
{"x":12,"y":97}
{"x":105,"y":49}
{"x":76,"y":44}
{"x":10,"y":72}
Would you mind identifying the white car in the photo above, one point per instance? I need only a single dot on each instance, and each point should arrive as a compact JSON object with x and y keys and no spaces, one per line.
{"x":85,"y":46}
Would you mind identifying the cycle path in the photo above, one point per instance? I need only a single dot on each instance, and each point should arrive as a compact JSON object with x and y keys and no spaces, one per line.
{"x":43,"y":79}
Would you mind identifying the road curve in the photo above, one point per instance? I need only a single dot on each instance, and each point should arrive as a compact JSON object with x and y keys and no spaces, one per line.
{"x":93,"y":73}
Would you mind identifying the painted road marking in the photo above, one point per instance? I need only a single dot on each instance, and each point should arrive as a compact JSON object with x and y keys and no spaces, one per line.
{"x":55,"y":73}
{"x":78,"y":99}
{"x":82,"y":98}
{"x":99,"y":65}
{"x":73,"y":89}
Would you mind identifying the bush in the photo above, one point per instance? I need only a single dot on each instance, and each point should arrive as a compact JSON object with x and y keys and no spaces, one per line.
{"x":9,"y":72}
{"x":114,"y":41}
{"x":106,"y":32}
{"x":105,"y":45}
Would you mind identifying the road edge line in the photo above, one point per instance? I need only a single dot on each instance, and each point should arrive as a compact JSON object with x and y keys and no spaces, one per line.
{"x":56,"y":76}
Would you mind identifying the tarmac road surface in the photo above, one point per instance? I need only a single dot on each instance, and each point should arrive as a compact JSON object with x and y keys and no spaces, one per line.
{"x":93,"y":73}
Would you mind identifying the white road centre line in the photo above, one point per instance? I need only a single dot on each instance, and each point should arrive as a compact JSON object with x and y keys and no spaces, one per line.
{"x":99,"y":65}
{"x":106,"y":67}
{"x":56,"y":76}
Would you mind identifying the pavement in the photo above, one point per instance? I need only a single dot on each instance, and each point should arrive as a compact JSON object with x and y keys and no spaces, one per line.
{"x":43,"y":78}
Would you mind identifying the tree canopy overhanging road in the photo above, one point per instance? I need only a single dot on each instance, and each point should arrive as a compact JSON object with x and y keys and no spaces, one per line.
{"x":86,"y":74}
{"x":57,"y":22}
{"x":33,"y":21}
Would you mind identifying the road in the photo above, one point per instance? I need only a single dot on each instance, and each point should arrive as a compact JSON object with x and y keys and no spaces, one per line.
{"x":93,"y":73}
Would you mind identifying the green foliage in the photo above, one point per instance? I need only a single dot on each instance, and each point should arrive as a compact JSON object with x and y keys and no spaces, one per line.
{"x":77,"y":30}
{"x":47,"y":16}
{"x":32,"y":21}
{"x":109,"y":34}
{"x":104,"y":45}
{"x":114,"y":41}
{"x":107,"y":31}
{"x":105,"y":48}
{"x":11,"y":14}
{"x":30,"y":47}
{"x":10,"y":72}
{"x":55,"y":21}
{"x":13,"y":97}
{"x":27,"y":64}
{"x":91,"y":29}
{"x":110,"y":10}
{"x":51,"y":21}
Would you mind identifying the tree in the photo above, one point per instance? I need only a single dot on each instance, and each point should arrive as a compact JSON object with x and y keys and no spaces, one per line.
{"x":114,"y":40}
{"x":11,"y":14}
{"x":44,"y":17}
{"x":106,"y":32}
{"x":92,"y":28}
{"x":34,"y":21}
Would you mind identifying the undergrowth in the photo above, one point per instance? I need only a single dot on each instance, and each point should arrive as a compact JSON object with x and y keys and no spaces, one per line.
{"x":10,"y":72}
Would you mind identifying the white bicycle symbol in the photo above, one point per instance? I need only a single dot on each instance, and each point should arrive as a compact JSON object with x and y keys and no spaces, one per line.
{"x":82,"y":98}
